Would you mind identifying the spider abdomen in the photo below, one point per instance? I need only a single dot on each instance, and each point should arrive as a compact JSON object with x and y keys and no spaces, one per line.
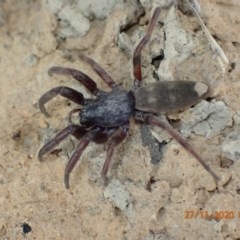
{"x":109,"y":109}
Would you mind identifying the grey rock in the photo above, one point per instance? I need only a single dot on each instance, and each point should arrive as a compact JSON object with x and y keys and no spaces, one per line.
{"x":74,"y":23}
{"x":99,"y":9}
{"x":236,"y":118}
{"x":116,"y":193}
{"x":119,"y":197}
{"x":206,"y":118}
{"x":231,"y":146}
{"x":31,"y":60}
{"x":54,"y":5}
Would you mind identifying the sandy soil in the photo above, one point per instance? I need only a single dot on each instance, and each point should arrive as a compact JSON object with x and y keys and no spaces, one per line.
{"x":143,"y":200}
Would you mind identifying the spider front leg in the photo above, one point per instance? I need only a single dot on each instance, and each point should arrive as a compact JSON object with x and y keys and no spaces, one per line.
{"x":117,"y":138}
{"x":99,"y":70}
{"x":150,"y":119}
{"x":137,"y":72}
{"x":81,"y":77}
{"x":66,"y":92}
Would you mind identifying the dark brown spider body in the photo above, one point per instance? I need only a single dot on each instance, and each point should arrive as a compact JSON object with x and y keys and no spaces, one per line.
{"x":109,"y":109}
{"x":107,"y":116}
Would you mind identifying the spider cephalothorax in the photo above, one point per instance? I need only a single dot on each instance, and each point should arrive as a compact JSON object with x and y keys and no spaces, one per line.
{"x":109,"y":109}
{"x":107,"y":116}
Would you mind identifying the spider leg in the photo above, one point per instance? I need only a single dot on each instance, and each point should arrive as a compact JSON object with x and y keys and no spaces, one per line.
{"x":85,"y":80}
{"x":117,"y":138}
{"x":75,"y":157}
{"x":150,"y":119}
{"x":90,"y":136}
{"x":66,"y":92}
{"x":99,"y":70}
{"x":137,"y":72}
{"x":75,"y":130}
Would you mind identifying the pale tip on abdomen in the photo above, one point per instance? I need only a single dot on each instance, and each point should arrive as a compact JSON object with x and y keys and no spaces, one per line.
{"x":200,"y":88}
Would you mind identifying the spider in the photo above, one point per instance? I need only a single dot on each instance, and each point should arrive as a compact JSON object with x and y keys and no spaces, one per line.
{"x":106,"y":118}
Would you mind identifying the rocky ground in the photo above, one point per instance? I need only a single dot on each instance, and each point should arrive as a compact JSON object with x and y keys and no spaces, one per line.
{"x":174,"y":198}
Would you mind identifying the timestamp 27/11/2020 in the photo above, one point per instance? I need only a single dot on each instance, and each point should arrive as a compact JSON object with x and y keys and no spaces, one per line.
{"x":201,"y":214}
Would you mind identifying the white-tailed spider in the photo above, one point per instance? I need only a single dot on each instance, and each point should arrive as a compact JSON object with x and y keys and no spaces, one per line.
{"x":105,"y":119}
